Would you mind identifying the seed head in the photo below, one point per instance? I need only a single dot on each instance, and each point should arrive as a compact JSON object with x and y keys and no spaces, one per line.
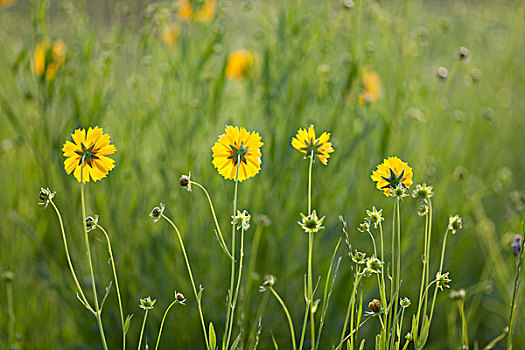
{"x":442,"y":73}
{"x":91,"y":222}
{"x":375,"y":216}
{"x":405,"y":302}
{"x":374,"y":264}
{"x":374,"y":306}
{"x":180,"y":298}
{"x":242,"y":219}
{"x":400,"y":191}
{"x":8,"y":276}
{"x":46,"y":196}
{"x":454,"y":224}
{"x":463,"y":53}
{"x":269,"y":281}
{"x":147,"y":303}
{"x":311,"y":223}
{"x":358,"y":257}
{"x":423,"y":193}
{"x":457,"y":294}
{"x":442,"y":280}
{"x":157,"y":212}
{"x":364,"y":227}
{"x":185,"y":181}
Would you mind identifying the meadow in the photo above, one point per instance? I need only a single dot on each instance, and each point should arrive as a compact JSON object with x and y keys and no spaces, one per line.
{"x":438,"y":84}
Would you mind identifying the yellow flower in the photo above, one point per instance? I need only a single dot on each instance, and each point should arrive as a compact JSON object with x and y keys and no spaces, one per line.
{"x":390,"y":174}
{"x":239,"y":64}
{"x":306,"y":142}
{"x":6,"y":3}
{"x":93,"y":147}
{"x":237,"y":148}
{"x":47,"y":58}
{"x":372,"y":88}
{"x":204,"y":14}
{"x":168,"y":34}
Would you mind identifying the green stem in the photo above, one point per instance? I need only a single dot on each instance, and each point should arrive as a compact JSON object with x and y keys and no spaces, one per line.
{"x":440,"y":270}
{"x":142,"y":329}
{"x":239,"y":275}
{"x":310,"y":252}
{"x":464,"y":330}
{"x":77,"y":283}
{"x":10,"y":312}
{"x":229,"y":312}
{"x":515,"y":295}
{"x":423,"y":275}
{"x":305,"y":320}
{"x":116,"y":285}
{"x":188,"y":267}
{"x":219,"y":232}
{"x":310,"y":183}
{"x":429,"y":241}
{"x":290,"y":323}
{"x":350,"y":305}
{"x":162,"y":323}
{"x":98,"y":313}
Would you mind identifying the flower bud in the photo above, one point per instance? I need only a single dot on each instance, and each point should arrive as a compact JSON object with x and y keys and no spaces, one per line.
{"x":156,"y":213}
{"x":442,"y":73}
{"x":374,"y":306}
{"x":185,"y":181}
{"x":91,"y":223}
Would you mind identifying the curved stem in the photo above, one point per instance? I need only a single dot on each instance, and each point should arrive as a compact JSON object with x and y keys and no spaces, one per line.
{"x":290,"y":323}
{"x":70,"y":263}
{"x":199,"y":306}
{"x":142,"y":329}
{"x":219,"y":232}
{"x":162,"y":323}
{"x":98,"y":313}
{"x":116,"y":285}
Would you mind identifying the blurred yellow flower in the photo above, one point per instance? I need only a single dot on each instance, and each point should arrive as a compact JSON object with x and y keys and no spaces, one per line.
{"x":237,"y":148}
{"x":305,"y":142}
{"x":168,"y":34}
{"x":390,"y":174}
{"x":187,"y":11}
{"x":48,"y":58}
{"x":239,"y":64}
{"x":6,"y":3}
{"x":93,"y":147}
{"x":371,"y":88}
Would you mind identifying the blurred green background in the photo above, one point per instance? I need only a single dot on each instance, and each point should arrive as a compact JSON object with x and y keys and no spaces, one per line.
{"x":164,"y":106}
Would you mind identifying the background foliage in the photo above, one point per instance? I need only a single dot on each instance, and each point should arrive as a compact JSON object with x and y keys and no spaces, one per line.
{"x":165,"y":106}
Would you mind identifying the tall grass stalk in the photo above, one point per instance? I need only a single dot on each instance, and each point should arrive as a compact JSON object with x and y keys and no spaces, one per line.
{"x":515,"y":294}
{"x":288,"y":317}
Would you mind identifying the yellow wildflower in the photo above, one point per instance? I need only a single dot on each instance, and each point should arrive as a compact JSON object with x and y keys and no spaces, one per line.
{"x":48,"y":58}
{"x":6,"y":3}
{"x":168,"y":34}
{"x":390,"y":174}
{"x":237,"y":150}
{"x":239,"y":64}
{"x":371,"y":88}
{"x":93,"y":148}
{"x":188,"y":12}
{"x":305,"y":141}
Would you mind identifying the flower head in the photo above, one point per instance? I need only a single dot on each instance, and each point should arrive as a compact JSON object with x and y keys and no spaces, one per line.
{"x":516,"y":245}
{"x":269,"y":281}
{"x":364,"y":226}
{"x":375,"y":308}
{"x":91,"y":222}
{"x":375,"y":216}
{"x":423,"y":193}
{"x":405,"y":302}
{"x":454,"y":223}
{"x":237,"y":149}
{"x":47,"y":58}
{"x":239,"y":64}
{"x":185,"y":181}
{"x":358,"y":257}
{"x":46,"y":196}
{"x":374,"y":264}
{"x":93,"y":148}
{"x":242,"y":219}
{"x":371,"y":88}
{"x":204,"y":13}
{"x":311,"y":223}
{"x":168,"y":34}
{"x":306,"y":142}
{"x":180,"y":298}
{"x":147,"y":303}
{"x":391,"y":174}
{"x":442,"y":280}
{"x":157,"y":212}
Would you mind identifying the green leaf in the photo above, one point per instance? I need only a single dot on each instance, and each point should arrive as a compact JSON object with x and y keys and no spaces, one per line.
{"x":275,"y":343}
{"x":199,"y":295}
{"x":212,"y":337}
{"x":362,"y":346}
{"x":127,"y":323}
{"x":236,"y":342}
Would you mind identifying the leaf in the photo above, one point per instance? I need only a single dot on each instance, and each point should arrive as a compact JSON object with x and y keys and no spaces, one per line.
{"x":212,"y":337}
{"x":236,"y":342}
{"x":127,"y":323}
{"x":362,"y":346}
{"x":199,"y":295}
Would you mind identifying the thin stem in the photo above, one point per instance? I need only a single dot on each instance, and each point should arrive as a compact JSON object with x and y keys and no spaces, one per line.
{"x":188,"y":267}
{"x":440,"y":270}
{"x":70,"y":264}
{"x":515,"y":295}
{"x":142,"y":329}
{"x":383,"y":286}
{"x":229,"y":312}
{"x":116,"y":285}
{"x":464,"y":329}
{"x":305,"y":320}
{"x":398,"y":273}
{"x":310,"y":252}
{"x":400,"y":327}
{"x":423,"y":274}
{"x":162,"y":323}
{"x":98,"y":313}
{"x":350,"y":304}
{"x":239,"y":274}
{"x":290,"y":323}
{"x":355,"y":330}
{"x":10,"y":312}
{"x":219,"y":232}
{"x":429,"y":241}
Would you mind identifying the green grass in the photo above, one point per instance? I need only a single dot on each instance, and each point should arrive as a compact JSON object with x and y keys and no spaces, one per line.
{"x":165,"y":107}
